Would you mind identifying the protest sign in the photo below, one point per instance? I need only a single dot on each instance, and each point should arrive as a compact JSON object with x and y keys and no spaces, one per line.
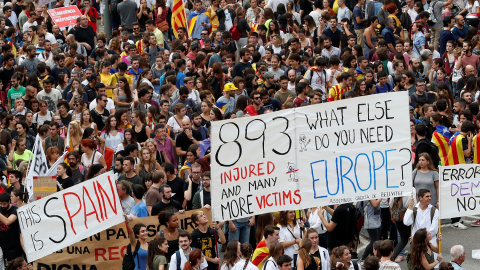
{"x":38,"y":165}
{"x":65,"y":16}
{"x":72,"y":214}
{"x":105,"y":250}
{"x":44,"y":186}
{"x":459,"y":190}
{"x":344,"y":151}
{"x":354,"y":150}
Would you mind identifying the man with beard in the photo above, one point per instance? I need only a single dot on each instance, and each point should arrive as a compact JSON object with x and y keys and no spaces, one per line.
{"x":202,"y":197}
{"x":58,"y":35}
{"x":468,"y":58}
{"x":164,"y":145}
{"x":166,"y":204}
{"x":100,"y":45}
{"x":274,"y":68}
{"x":292,"y":76}
{"x":420,"y":93}
{"x":85,"y":35}
{"x":46,"y":54}
{"x":9,"y":229}
{"x":59,"y":67}
{"x":50,"y":95}
{"x":256,"y":108}
{"x":295,"y":48}
{"x":459,"y":105}
{"x":31,"y":61}
{"x":415,"y":67}
{"x":17,"y":91}
{"x":128,"y":169}
{"x":399,"y":82}
{"x":180,"y":258}
{"x":284,"y":95}
{"x":193,"y":184}
{"x":197,"y":125}
{"x":467,"y":96}
{"x":77,"y":169}
{"x":29,"y":94}
{"x":21,"y":129}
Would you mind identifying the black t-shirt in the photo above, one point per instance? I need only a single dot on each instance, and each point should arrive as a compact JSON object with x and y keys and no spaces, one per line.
{"x":134,"y":38}
{"x":195,"y":188}
{"x":206,"y":242}
{"x":66,"y":120}
{"x":5,"y":75}
{"x":177,"y":187}
{"x":99,"y":119}
{"x":306,"y":6}
{"x":65,"y":183}
{"x":171,"y":207}
{"x":316,"y":254}
{"x":60,"y":39}
{"x":343,"y":232}
{"x":272,"y":104}
{"x":134,"y":180}
{"x":184,"y":142}
{"x":10,"y":236}
{"x":85,"y":35}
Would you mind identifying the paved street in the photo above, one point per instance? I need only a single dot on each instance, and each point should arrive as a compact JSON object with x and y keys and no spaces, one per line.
{"x":469,"y":238}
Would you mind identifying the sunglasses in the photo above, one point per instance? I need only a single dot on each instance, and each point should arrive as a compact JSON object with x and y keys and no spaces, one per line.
{"x":105,"y":100}
{"x":75,"y":105}
{"x":136,"y":28}
{"x":257,"y":98}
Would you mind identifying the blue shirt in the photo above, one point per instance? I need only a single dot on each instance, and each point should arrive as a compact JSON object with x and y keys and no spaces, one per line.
{"x":387,"y":32}
{"x":459,"y":33}
{"x":197,"y":29}
{"x":140,"y":259}
{"x":445,"y":36}
{"x":357,"y":12}
{"x":386,"y":88}
{"x":180,"y":77}
{"x":139,"y":210}
{"x":418,"y":42}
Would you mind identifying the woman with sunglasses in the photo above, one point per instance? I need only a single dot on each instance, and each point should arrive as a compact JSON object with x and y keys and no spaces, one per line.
{"x":78,"y":106}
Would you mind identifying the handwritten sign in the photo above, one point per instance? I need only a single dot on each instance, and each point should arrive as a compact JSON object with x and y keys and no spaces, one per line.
{"x":65,"y":16}
{"x":459,"y":190}
{"x":332,"y":153}
{"x":105,"y":250}
{"x":44,"y":186}
{"x":75,"y":213}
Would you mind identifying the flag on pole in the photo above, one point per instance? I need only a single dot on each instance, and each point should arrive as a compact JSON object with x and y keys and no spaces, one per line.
{"x":178,"y":16}
{"x":53,"y":170}
{"x":38,"y":165}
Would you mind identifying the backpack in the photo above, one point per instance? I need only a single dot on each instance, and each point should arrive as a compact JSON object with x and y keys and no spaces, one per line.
{"x":179,"y":260}
{"x":113,"y":7}
{"x":377,"y":89}
{"x":398,"y":209}
{"x":433,"y":152}
{"x":432,"y":19}
{"x":128,"y":260}
{"x":235,"y":32}
{"x":432,"y":213}
{"x":358,"y":220}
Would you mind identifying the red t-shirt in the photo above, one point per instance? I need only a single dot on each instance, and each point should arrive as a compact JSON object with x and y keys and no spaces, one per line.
{"x":92,"y":17}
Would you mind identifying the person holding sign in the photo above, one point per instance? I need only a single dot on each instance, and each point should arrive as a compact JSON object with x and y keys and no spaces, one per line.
{"x":422,"y":215}
{"x":421,"y":255}
{"x":9,"y":229}
{"x":206,"y":239}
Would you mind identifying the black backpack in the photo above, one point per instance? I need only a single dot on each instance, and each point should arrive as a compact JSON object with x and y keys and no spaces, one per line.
{"x":433,"y":152}
{"x":113,"y":7}
{"x":128,"y":260}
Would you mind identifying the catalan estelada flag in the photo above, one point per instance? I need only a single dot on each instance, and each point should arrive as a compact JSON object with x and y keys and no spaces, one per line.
{"x":455,"y":153}
{"x":178,"y":16}
{"x":260,"y":254}
{"x":221,"y":105}
{"x":476,"y":153}
{"x":441,"y":136}
{"x":193,"y":19}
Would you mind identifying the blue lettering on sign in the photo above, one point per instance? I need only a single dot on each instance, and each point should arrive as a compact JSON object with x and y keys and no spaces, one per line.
{"x":345,"y":167}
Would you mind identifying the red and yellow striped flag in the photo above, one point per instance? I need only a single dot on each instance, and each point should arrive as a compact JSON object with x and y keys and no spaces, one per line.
{"x":476,"y":153}
{"x":260,"y":254}
{"x":455,"y":154}
{"x":178,"y":16}
{"x":442,"y":143}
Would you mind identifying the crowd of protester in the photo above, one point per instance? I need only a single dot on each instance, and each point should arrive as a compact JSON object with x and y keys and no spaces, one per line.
{"x":141,"y":101}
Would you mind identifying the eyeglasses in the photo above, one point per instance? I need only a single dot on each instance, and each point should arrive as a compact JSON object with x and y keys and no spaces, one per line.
{"x":196,"y":172}
{"x":257,"y":98}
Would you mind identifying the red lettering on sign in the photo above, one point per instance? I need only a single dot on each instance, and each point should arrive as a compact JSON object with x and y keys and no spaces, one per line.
{"x":104,"y":194}
{"x":240,"y":173}
{"x":112,"y":251}
{"x":70,"y":216}
{"x":100,"y":252}
{"x":85,"y":191}
{"x":279,"y":199}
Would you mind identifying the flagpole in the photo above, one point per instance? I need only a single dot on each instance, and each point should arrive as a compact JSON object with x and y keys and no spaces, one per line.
{"x":439,"y":233}
{"x":185,"y":14}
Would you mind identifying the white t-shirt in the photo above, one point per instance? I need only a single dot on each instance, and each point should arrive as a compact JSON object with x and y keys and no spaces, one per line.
{"x":286,"y":236}
{"x":109,"y":107}
{"x":39,"y":120}
{"x":183,"y":258}
{"x":472,"y":8}
{"x":27,"y":24}
{"x":270,"y":264}
{"x":172,"y":122}
{"x":329,"y":74}
{"x":51,"y":98}
{"x":51,"y":38}
{"x":112,"y":141}
{"x":241,"y":264}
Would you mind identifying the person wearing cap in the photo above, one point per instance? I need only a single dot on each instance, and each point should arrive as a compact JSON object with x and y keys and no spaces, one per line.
{"x":270,"y":81}
{"x":228,"y":97}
